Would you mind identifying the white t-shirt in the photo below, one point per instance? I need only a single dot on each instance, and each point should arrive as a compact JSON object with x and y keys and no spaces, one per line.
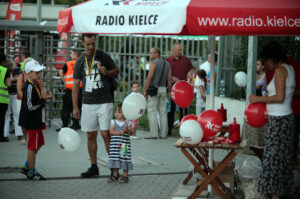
{"x":205,"y":66}
{"x":199,"y":101}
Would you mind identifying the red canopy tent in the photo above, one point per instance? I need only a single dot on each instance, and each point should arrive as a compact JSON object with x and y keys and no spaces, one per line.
{"x":185,"y":17}
{"x":247,"y":17}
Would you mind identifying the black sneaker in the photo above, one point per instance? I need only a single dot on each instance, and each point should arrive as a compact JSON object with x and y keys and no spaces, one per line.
{"x":91,"y":172}
{"x":4,"y":139}
{"x":36,"y":177}
{"x":24,"y":170}
{"x":58,"y":129}
{"x":75,"y":127}
{"x":20,"y":137}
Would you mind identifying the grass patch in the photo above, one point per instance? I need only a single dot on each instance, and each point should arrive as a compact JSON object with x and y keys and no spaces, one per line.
{"x":144,"y":122}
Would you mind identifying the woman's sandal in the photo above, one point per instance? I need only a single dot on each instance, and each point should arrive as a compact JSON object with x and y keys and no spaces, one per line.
{"x":123,"y":179}
{"x":112,"y":179}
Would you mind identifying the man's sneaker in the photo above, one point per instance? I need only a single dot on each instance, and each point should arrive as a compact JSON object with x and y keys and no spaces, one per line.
{"x":75,"y":127}
{"x":36,"y":177}
{"x":4,"y":139}
{"x":24,"y":170}
{"x":91,"y":172}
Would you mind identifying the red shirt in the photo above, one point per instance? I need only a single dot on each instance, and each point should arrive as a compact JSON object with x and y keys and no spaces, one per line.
{"x":180,"y":67}
{"x":296,"y":66}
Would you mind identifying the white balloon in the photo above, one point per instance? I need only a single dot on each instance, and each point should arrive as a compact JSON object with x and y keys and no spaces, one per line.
{"x":68,"y":139}
{"x":134,"y":106}
{"x":240,"y":78}
{"x":191,"y":132}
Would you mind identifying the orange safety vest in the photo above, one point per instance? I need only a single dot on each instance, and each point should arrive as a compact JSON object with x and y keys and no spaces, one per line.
{"x":68,"y":76}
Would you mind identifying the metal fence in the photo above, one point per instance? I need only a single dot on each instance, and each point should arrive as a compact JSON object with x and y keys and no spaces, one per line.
{"x":129,"y":52}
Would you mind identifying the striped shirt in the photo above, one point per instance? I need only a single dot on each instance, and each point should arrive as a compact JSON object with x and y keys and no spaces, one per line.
{"x":120,"y":147}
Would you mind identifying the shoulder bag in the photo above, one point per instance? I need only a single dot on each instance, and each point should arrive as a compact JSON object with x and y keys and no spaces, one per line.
{"x":152,"y":90}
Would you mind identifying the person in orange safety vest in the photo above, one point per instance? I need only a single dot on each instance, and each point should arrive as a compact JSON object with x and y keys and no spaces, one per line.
{"x":66,"y":74}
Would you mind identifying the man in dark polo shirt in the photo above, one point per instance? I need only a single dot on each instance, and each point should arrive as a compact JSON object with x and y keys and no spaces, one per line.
{"x":181,"y":67}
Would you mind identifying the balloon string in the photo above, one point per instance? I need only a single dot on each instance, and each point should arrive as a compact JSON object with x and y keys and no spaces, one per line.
{"x":57,"y":125}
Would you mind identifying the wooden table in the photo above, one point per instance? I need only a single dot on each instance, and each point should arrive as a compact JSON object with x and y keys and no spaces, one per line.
{"x":198,"y":156}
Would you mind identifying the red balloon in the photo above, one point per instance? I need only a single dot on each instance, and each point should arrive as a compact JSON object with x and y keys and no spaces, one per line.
{"x":256,"y":114}
{"x":182,"y":94}
{"x":211,"y":123}
{"x":189,"y":117}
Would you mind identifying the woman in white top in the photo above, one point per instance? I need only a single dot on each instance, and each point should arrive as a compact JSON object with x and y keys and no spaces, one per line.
{"x":276,"y":176}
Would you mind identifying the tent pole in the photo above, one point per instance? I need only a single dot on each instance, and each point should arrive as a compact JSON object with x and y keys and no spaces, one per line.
{"x":212,"y":42}
{"x":251,"y":66}
{"x":39,"y":11}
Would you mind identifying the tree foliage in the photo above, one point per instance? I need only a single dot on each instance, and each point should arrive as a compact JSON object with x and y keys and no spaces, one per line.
{"x":290,"y":45}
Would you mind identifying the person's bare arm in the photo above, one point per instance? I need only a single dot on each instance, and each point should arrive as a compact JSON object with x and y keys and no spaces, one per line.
{"x":61,"y":74}
{"x":75,"y":94}
{"x":40,"y":82}
{"x":202,"y":92}
{"x":114,"y":132}
{"x":128,"y":129}
{"x":297,"y":92}
{"x":189,"y":75}
{"x":8,"y":82}
{"x":149,"y":78}
{"x":112,"y":73}
{"x":169,"y":82}
{"x":280,"y":77}
{"x":20,"y":85}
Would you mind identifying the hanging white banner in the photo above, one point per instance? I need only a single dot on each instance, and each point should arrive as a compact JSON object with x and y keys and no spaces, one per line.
{"x":130,"y":16}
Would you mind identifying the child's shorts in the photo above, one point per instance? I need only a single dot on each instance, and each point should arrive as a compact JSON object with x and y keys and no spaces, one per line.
{"x":135,"y":123}
{"x":35,"y":139}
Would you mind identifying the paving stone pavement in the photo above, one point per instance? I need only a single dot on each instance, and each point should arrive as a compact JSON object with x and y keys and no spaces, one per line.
{"x":139,"y":187}
{"x":159,"y":168}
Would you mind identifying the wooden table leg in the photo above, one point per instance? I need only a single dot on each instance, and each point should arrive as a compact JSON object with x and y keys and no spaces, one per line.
{"x":204,"y":153}
{"x":188,"y":178}
{"x":215,"y":172}
{"x":210,"y":171}
{"x":206,"y":181}
{"x":191,"y":173}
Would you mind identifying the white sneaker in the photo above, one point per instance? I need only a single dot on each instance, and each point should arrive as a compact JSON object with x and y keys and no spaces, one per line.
{"x":134,"y":137}
{"x":23,"y":141}
{"x":176,"y":123}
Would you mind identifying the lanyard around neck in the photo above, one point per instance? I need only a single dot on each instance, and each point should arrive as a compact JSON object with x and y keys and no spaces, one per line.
{"x":90,"y":69}
{"x":36,"y":88}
